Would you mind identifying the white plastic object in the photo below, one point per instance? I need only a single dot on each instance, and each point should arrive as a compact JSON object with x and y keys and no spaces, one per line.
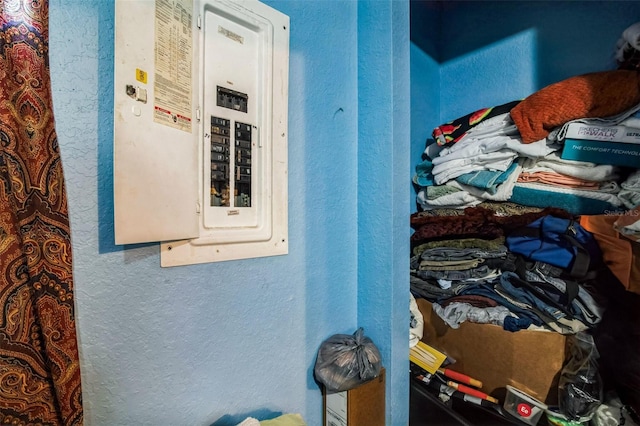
{"x":523,"y":406}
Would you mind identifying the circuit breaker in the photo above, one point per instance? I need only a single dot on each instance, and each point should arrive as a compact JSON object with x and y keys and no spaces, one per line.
{"x":200,"y":128}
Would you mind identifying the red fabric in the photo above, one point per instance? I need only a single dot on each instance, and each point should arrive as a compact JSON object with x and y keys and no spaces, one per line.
{"x":475,"y":222}
{"x":39,"y":366}
{"x":600,"y":94}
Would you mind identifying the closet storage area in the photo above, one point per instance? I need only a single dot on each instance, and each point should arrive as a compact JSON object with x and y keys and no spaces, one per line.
{"x":525,"y":138}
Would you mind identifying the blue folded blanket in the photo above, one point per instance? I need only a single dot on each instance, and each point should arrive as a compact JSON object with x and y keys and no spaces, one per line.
{"x":574,"y":201}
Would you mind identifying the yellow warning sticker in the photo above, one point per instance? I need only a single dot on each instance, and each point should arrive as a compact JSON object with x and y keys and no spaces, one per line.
{"x":141,"y":76}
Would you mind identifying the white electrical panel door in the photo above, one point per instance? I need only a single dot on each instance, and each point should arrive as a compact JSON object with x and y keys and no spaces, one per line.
{"x":155,"y":130}
{"x":239,"y":137}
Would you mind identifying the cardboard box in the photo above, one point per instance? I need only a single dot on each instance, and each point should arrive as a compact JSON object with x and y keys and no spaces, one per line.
{"x":361,"y":406}
{"x":602,"y":152}
{"x":527,"y":360}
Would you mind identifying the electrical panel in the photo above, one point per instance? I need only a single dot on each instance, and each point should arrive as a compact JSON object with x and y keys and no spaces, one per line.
{"x":200,"y":138}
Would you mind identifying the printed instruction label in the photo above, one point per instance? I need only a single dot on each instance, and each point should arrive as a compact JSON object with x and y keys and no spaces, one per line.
{"x":336,"y":409}
{"x":173,"y":63}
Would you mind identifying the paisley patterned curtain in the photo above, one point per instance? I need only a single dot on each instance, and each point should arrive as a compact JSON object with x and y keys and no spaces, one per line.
{"x":39,"y":368}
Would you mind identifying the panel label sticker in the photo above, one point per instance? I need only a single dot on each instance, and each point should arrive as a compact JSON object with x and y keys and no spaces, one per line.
{"x":231,"y":35}
{"x":173,"y":63}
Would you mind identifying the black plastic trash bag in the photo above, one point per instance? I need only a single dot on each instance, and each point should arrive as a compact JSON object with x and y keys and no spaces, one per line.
{"x":346,"y":361}
{"x":580,"y":385}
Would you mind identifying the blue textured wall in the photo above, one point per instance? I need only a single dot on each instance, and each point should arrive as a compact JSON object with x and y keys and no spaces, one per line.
{"x":492,"y":52}
{"x":214,"y":343}
{"x":426,"y":25}
{"x":425,"y":88}
{"x":383,"y":194}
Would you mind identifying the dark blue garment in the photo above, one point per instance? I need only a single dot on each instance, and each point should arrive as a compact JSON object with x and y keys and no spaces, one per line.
{"x":526,"y":296}
{"x":487,"y":290}
{"x":583,"y":306}
{"x":516,"y":324}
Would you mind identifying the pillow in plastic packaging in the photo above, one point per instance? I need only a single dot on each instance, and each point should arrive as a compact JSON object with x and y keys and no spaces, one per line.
{"x":346,"y":361}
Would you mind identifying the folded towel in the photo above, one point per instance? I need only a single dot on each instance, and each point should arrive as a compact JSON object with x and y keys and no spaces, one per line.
{"x":564,"y":181}
{"x":558,"y":179}
{"x":437,"y":191}
{"x":599,"y":94}
{"x":424,"y":175}
{"x":488,"y":180}
{"x":453,"y":131}
{"x":632,"y":182}
{"x":502,"y":134}
{"x":454,"y":200}
{"x":503,"y":191}
{"x":630,"y":199}
{"x":630,"y":193}
{"x":449,"y":169}
{"x":577,"y":169}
